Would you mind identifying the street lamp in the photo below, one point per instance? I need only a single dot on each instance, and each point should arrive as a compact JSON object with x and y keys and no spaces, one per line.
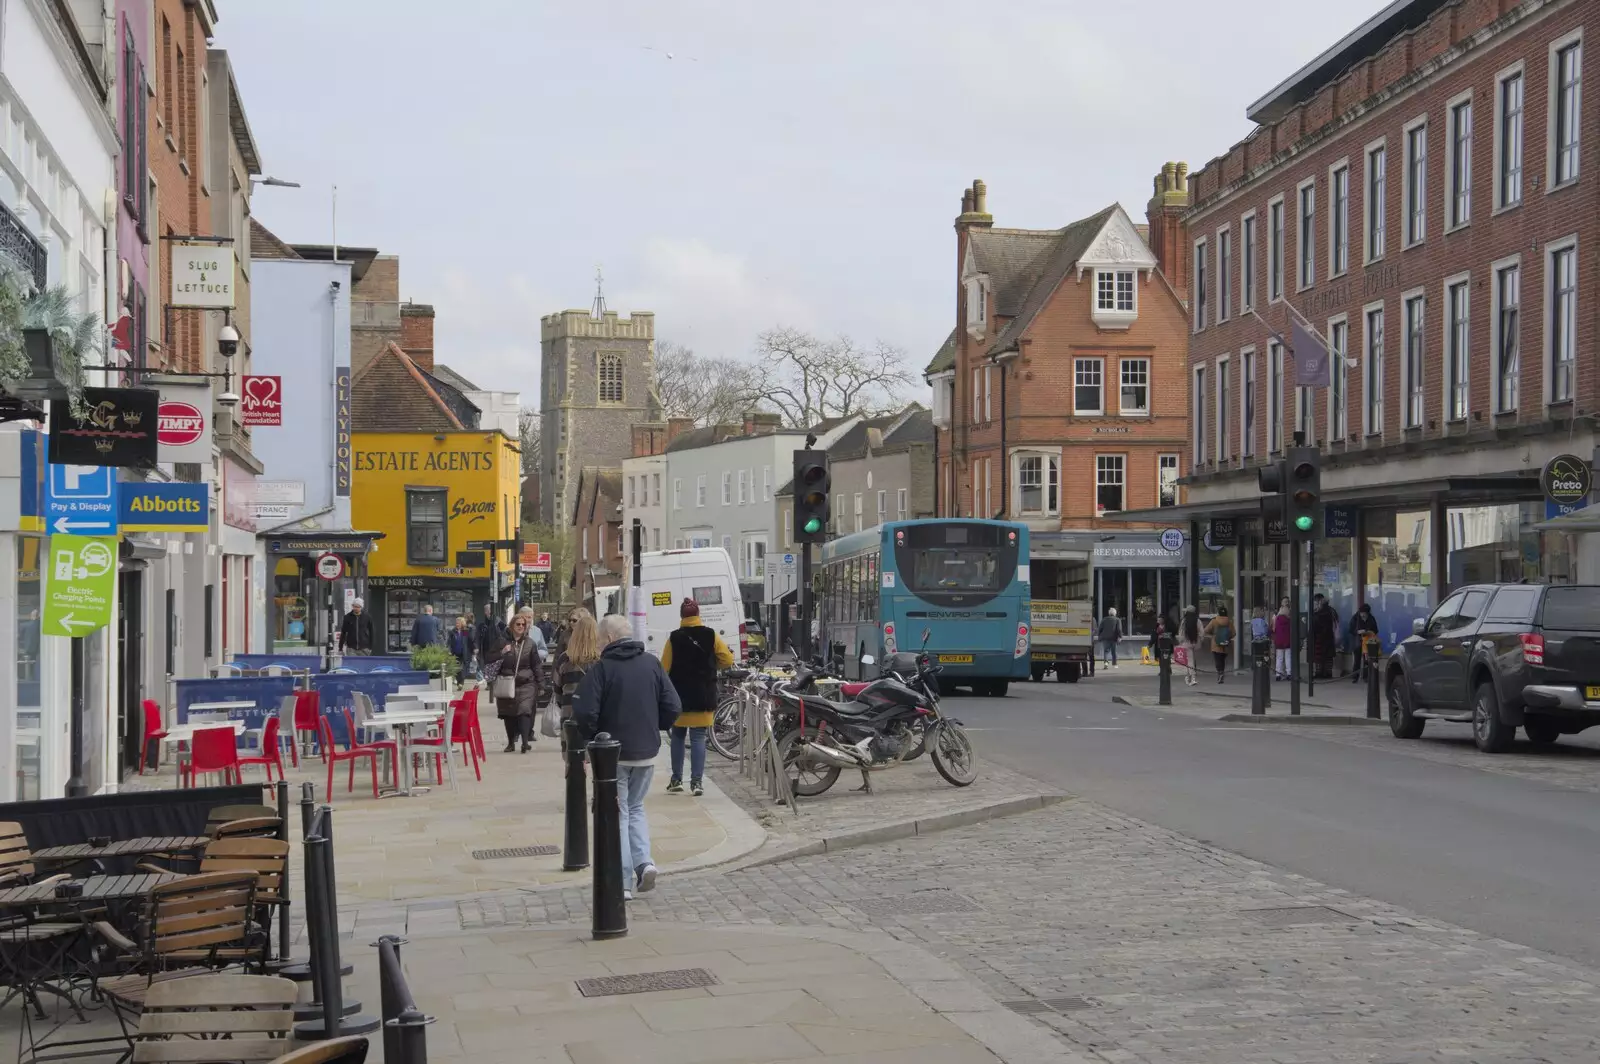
{"x":274,"y":182}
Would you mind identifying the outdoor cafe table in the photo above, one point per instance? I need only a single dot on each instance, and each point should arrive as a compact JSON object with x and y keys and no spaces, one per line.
{"x":95,"y":888}
{"x":401,"y":719}
{"x":140,"y":847}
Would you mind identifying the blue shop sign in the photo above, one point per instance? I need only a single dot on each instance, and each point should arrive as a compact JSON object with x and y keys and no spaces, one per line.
{"x":1339,"y":522}
{"x":179,"y":506}
{"x":1553,"y":510}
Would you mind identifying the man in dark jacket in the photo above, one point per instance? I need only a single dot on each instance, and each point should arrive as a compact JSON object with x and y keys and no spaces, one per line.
{"x":627,"y":695}
{"x":425,"y":629}
{"x":356,"y":633}
{"x":692,"y":657}
{"x":491,"y":633}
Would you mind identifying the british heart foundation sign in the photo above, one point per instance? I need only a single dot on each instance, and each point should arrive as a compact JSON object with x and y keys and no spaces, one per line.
{"x":262,"y":403}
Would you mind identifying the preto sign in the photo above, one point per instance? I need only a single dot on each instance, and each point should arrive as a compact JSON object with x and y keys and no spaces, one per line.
{"x":1566,"y":479}
{"x":118,"y":428}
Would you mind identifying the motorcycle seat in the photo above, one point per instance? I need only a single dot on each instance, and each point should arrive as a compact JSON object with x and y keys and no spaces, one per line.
{"x":844,"y":709}
{"x":850,"y":690}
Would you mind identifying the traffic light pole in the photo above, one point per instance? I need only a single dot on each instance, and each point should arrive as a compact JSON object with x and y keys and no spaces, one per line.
{"x":807,"y":603}
{"x":1311,"y":590}
{"x":1297,"y":626}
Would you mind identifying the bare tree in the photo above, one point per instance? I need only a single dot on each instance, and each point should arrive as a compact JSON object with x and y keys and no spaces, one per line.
{"x":809,"y":378}
{"x":528,"y":434}
{"x":709,"y":390}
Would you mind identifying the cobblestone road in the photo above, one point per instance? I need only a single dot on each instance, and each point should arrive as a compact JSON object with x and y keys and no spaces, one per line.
{"x":1181,"y":953}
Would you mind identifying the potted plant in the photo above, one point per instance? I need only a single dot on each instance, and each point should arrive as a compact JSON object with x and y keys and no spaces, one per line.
{"x":44,"y":338}
{"x":437,"y":661}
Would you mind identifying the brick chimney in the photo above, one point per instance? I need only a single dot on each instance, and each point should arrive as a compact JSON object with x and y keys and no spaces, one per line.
{"x":416,"y":333}
{"x":649,"y":437}
{"x":1168,"y":234}
{"x":677,"y":426}
{"x":975,"y":207}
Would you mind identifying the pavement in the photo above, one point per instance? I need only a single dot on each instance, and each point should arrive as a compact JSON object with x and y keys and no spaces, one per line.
{"x":1336,"y":701}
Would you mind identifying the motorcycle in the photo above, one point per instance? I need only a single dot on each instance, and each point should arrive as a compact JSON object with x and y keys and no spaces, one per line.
{"x":889,"y":720}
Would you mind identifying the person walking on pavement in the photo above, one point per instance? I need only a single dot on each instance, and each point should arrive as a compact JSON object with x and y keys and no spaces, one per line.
{"x":463,"y":643}
{"x":692,"y":657}
{"x":1110,"y":634}
{"x":1324,"y":633}
{"x":519,"y":659}
{"x":1282,"y":647}
{"x":425,"y":629}
{"x":1189,"y":632}
{"x":547,"y":629}
{"x":580,"y":651}
{"x":1363,"y":627}
{"x":627,"y":694}
{"x":356,"y":633}
{"x":1220,"y":633}
{"x":491,"y":634}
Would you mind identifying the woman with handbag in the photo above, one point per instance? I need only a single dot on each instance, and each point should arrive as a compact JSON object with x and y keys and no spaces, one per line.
{"x":581,"y":650}
{"x":517,"y":681}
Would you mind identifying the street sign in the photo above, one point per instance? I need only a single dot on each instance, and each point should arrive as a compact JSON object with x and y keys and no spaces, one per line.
{"x":157,"y":506}
{"x":491,"y":544}
{"x":1172,"y":539}
{"x":83,"y":577}
{"x":541,"y":563}
{"x":118,"y":428}
{"x":81,"y":500}
{"x":530,"y":555}
{"x":330,"y":566}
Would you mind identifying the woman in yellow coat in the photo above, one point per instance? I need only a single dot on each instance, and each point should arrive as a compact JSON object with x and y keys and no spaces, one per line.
{"x":693,"y":656}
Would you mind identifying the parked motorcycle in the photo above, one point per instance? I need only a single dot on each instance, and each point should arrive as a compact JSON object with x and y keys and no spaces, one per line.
{"x":888,"y":720}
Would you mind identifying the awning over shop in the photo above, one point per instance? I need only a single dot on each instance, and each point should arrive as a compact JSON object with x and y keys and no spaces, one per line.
{"x":338,"y":542}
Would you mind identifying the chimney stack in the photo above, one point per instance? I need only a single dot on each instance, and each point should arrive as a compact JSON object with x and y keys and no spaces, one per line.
{"x":649,"y":437}
{"x":416,"y":333}
{"x":1168,"y":233}
{"x":677,"y":426}
{"x":975,"y":206}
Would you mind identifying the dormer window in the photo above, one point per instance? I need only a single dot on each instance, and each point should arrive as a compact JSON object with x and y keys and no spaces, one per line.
{"x":1115,"y":298}
{"x":977,"y":304}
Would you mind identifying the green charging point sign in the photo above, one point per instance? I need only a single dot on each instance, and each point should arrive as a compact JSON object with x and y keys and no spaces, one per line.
{"x":80,"y":583}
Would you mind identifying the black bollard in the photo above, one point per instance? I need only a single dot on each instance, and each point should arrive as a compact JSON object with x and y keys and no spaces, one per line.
{"x":1163,"y":668}
{"x":1373,"y":648}
{"x":610,"y":912}
{"x":575,"y":842}
{"x":330,"y":1016}
{"x":1260,"y":678}
{"x":283,"y":889}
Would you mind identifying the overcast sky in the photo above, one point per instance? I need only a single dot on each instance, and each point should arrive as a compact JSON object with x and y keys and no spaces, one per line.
{"x":792,"y":163}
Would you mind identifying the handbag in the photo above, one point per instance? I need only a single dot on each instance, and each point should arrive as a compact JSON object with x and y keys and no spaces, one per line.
{"x":506,"y":686}
{"x":1180,"y":655}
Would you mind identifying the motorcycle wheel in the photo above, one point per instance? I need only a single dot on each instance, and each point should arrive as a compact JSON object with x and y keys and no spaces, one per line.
{"x":920,"y":747}
{"x":952,"y":754}
{"x":727,"y":724}
{"x":807,"y":777}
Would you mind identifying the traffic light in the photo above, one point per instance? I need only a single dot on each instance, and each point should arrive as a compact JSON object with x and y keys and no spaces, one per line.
{"x":1303,"y":485}
{"x":812,"y":483}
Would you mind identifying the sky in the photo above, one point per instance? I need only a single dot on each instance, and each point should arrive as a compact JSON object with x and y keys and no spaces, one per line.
{"x":731,"y":165}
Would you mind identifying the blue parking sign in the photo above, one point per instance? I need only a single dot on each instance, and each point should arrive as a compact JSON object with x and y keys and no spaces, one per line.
{"x":81,"y":500}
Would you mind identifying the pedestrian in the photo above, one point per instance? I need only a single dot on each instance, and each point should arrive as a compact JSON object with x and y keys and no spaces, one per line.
{"x":1220,"y":633}
{"x":356,"y":632}
{"x":1363,"y":628}
{"x":425,"y":629}
{"x":581,"y":650}
{"x":547,"y":629}
{"x":1282,"y":646}
{"x":692,"y":657}
{"x":1258,"y":623}
{"x":519,"y":659}
{"x":1110,"y":634}
{"x":627,"y":694}
{"x":1190,"y":632}
{"x":1324,"y":632}
{"x":463,"y":643}
{"x":491,"y":634}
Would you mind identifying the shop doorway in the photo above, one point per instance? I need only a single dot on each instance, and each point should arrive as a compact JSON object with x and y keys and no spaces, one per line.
{"x":130,"y":650}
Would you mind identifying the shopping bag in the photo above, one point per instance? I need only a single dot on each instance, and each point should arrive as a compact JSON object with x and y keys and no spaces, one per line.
{"x":1180,"y":655}
{"x":550,"y":721}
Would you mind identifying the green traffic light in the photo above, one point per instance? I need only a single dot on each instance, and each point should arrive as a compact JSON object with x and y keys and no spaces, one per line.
{"x":813,"y":526}
{"x":1303,"y":523}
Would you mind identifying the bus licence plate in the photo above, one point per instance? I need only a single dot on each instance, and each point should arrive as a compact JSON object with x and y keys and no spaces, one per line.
{"x":1591,"y":694}
{"x":955,"y":659}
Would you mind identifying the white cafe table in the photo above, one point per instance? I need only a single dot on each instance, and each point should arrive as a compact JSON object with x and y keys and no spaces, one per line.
{"x":400,"y":717}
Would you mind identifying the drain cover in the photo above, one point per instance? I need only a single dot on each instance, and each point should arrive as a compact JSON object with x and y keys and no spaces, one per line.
{"x":1069,"y":1004}
{"x":1044,"y":1006}
{"x":515,"y":851}
{"x":646,"y":982}
{"x":922,"y":903}
{"x":1028,"y":1007}
{"x":1291,"y":915}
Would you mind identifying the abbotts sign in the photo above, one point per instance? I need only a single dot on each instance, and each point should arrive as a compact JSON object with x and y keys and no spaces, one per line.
{"x":179,"y":424}
{"x":1566,"y":478}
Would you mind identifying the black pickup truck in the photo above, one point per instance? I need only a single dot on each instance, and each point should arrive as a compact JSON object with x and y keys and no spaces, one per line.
{"x":1500,"y":656}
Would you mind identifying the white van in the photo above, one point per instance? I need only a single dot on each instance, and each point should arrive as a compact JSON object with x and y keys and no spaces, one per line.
{"x":705,"y":574}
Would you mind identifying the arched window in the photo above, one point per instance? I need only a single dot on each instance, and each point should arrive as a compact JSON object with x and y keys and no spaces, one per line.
{"x":611,"y":378}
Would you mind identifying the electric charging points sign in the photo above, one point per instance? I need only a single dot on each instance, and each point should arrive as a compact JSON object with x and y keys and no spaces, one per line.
{"x":82,"y":578}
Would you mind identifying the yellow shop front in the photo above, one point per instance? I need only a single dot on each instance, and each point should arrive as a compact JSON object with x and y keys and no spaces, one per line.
{"x":440,"y":498}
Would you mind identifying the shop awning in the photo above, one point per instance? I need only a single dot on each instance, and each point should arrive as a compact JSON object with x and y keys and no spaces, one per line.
{"x":1585,"y":520}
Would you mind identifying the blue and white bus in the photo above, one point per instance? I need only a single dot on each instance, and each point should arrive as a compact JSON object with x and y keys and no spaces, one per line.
{"x":964,"y":581}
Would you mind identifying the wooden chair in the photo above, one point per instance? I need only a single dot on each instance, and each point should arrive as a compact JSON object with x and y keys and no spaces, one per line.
{"x":351,"y":1049}
{"x":16,"y":859}
{"x":216,"y":1019}
{"x":228,"y":814}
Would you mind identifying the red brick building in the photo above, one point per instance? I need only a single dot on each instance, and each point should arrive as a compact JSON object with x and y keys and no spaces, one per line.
{"x":1059,"y":396}
{"x":1422,"y":197}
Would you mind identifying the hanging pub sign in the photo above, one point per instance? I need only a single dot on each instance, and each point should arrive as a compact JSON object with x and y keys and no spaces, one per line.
{"x":1566,"y":480}
{"x":1224,"y":532}
{"x":183,"y":429}
{"x":118,"y":427}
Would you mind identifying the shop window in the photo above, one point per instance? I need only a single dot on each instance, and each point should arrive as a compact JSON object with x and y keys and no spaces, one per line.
{"x":425,"y":526}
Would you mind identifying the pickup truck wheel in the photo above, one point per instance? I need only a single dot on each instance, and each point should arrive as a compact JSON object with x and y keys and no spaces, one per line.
{"x":1067,"y":673}
{"x":1038,"y":673}
{"x":1542,"y":731}
{"x":1491,"y":734}
{"x":1402,"y":722}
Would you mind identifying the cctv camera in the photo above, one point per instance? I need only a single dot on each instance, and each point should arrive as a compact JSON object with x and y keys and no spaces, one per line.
{"x":228,"y":341}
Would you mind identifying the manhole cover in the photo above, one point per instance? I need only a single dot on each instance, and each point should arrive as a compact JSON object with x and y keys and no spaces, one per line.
{"x":922,"y":903}
{"x":646,"y":982}
{"x":515,"y":851}
{"x":1290,"y":915}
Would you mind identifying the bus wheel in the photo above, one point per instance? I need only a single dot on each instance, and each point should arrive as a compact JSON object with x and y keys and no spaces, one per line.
{"x":1038,"y":673}
{"x":1067,"y":673}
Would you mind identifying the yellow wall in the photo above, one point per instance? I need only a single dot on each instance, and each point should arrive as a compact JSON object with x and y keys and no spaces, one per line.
{"x":479,"y":470}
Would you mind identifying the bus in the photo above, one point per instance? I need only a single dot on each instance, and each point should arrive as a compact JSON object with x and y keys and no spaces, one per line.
{"x":965,"y":581}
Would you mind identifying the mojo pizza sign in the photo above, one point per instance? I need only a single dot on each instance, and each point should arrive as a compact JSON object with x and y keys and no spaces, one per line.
{"x":261,"y":405}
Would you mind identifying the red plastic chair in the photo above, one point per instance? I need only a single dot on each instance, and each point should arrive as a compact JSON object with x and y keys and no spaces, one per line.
{"x":307,"y":718}
{"x":461,"y":734}
{"x":334,"y":755}
{"x":153,"y":730}
{"x":475,"y":727}
{"x":215,"y":750}
{"x":271,"y":751}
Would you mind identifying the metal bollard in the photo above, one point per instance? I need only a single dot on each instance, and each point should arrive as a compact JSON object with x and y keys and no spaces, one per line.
{"x":1260,"y":676}
{"x":322,"y":927}
{"x":1373,"y":652}
{"x":405,"y":1038}
{"x":283,"y":901}
{"x":575,"y":842}
{"x":1163,"y":668}
{"x":610,"y":912}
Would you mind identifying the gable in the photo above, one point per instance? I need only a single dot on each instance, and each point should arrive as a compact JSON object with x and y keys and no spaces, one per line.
{"x":1118,"y":244}
{"x":391,"y":393}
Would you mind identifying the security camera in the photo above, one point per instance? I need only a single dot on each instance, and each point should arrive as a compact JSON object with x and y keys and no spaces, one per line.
{"x":228,"y":341}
